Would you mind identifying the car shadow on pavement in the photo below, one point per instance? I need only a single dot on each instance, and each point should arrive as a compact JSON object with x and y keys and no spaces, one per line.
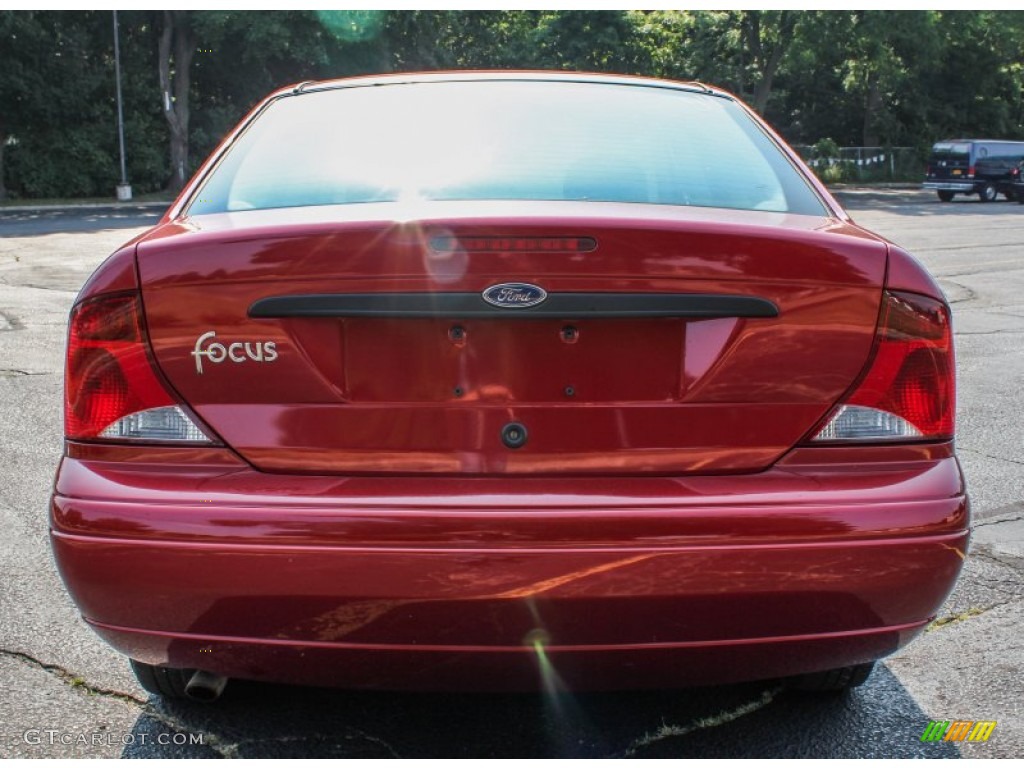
{"x":878,"y":720}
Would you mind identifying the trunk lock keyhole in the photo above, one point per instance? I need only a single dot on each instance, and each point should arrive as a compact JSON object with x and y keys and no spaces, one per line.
{"x":513,"y":435}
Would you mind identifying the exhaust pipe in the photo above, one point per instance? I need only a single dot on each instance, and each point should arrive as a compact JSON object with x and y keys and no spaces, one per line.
{"x":205,"y":686}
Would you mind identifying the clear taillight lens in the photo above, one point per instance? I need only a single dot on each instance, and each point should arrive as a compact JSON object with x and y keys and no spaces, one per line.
{"x":855,"y":422}
{"x":111,"y":390}
{"x":168,"y":423}
{"x":908,"y":391}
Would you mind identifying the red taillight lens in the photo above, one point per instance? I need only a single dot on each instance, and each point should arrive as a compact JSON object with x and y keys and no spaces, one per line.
{"x":908,"y":391}
{"x":109,"y":382}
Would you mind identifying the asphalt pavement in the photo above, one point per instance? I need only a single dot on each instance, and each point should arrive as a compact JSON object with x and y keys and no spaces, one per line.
{"x":66,"y":694}
{"x":25,"y":221}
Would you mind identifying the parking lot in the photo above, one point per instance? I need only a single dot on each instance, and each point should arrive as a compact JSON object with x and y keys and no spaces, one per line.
{"x":65,"y":693}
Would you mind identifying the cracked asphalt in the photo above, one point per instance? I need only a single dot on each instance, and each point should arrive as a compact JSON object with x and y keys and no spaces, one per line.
{"x":63,"y":693}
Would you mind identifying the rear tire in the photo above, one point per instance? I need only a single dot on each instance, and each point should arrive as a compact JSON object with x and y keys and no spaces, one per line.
{"x":988,"y":193}
{"x":945,"y":195}
{"x":163,"y":681}
{"x":833,"y":680}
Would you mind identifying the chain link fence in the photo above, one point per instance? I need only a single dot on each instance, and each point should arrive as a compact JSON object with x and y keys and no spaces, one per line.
{"x":834,"y":164}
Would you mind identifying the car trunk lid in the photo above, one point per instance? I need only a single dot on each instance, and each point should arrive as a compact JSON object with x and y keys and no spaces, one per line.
{"x":357,"y":339}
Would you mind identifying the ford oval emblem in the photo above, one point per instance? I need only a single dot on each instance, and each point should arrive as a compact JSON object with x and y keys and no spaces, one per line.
{"x":514,"y":295}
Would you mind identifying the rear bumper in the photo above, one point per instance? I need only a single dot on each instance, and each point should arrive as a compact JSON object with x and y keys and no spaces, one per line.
{"x":953,"y":186}
{"x":492,"y":583}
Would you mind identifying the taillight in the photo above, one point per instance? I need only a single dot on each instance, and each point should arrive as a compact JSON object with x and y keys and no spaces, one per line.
{"x":970,"y":171}
{"x":908,"y":391}
{"x":110,"y":389}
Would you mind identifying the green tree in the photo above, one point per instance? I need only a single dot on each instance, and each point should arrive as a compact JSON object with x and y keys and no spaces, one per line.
{"x":662,"y":43}
{"x":977,"y":83}
{"x":811,"y":103}
{"x":21,"y":80}
{"x":886,"y":49}
{"x":859,"y":77}
{"x":742,"y":51}
{"x":57,"y":98}
{"x":598,"y":41}
{"x":219,"y":64}
{"x":241,"y":57}
{"x":767,"y":36}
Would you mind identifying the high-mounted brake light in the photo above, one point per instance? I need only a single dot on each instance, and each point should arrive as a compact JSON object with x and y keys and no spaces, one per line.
{"x":908,"y":391}
{"x":513,"y":244}
{"x":111,"y":390}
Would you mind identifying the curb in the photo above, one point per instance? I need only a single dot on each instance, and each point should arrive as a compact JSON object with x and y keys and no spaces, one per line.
{"x":84,"y":206}
{"x":886,"y":187}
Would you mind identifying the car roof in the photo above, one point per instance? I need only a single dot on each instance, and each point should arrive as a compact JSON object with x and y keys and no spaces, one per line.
{"x":455,"y":76}
{"x":980,"y":141}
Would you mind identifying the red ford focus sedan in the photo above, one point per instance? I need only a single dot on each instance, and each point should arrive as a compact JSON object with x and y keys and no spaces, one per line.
{"x":500,"y":380}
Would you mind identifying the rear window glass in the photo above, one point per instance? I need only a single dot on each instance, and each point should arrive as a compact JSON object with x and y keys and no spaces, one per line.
{"x":951,"y":151}
{"x":505,"y":140}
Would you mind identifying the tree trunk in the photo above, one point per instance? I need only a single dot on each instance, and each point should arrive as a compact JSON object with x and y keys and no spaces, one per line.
{"x":872,"y":108}
{"x":174,"y":87}
{"x":750,"y":29}
{"x":766,"y":61}
{"x":3,"y":141}
{"x":762,"y":92}
{"x":179,"y":161}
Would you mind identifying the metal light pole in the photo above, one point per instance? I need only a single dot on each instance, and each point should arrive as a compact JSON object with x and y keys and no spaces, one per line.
{"x":124,"y":189}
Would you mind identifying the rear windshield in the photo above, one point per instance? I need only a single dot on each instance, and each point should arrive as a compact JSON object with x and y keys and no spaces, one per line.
{"x":951,"y":151}
{"x":505,"y":140}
